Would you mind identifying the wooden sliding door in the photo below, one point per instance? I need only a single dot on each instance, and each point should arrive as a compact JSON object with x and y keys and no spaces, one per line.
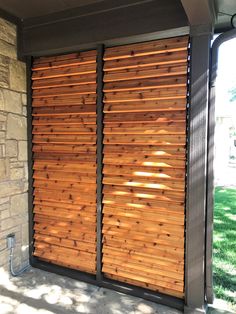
{"x":145,"y":100}
{"x":64,"y":159}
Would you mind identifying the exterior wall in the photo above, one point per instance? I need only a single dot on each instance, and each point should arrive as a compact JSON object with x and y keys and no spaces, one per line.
{"x":13,"y":149}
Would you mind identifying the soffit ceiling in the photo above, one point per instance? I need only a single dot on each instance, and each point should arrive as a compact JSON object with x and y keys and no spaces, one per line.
{"x":24,"y":9}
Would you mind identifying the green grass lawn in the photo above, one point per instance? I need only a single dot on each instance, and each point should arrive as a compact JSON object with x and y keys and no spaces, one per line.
{"x":224,"y":252}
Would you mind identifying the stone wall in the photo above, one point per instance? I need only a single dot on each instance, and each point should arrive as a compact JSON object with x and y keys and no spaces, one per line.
{"x":13,"y":149}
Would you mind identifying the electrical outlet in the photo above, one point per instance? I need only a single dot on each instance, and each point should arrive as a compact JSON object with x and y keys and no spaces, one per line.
{"x":11,"y":241}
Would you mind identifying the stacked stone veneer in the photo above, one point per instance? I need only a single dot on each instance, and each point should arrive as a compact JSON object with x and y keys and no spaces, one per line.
{"x":13,"y":149}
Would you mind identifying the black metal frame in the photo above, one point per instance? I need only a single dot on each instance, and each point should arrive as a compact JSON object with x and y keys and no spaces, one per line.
{"x":196,"y":175}
{"x":30,"y":156}
{"x":192,"y":293}
{"x":100,"y":51}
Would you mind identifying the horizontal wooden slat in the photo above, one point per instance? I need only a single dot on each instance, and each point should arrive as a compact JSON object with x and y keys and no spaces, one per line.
{"x":64,"y":81}
{"x":63,"y":59}
{"x":146,"y":285}
{"x":144,"y":160}
{"x":49,"y":165}
{"x":66,"y":139}
{"x":149,"y":48}
{"x":169,"y":195}
{"x":65,"y":195}
{"x":65,"y":71}
{"x":145,"y":106}
{"x":144,"y":182}
{"x":153,"y":215}
{"x":71,"y":100}
{"x":74,"y":244}
{"x":146,"y":94}
{"x":66,"y":110}
{"x":59,"y":221}
{"x":65,"y":119}
{"x":165,"y":257}
{"x":55,"y":185}
{"x":64,"y":149}
{"x":146,"y":72}
{"x":62,"y":91}
{"x":154,"y":240}
{"x":66,"y":214}
{"x":149,"y":150}
{"x":64,"y":260}
{"x":64,"y":129}
{"x":72,"y":158}
{"x":144,"y":139}
{"x":151,"y":117}
{"x":141,"y":84}
{"x":68,"y":176}
{"x":75,"y":234}
{"x":145,"y":61}
{"x":151,"y":270}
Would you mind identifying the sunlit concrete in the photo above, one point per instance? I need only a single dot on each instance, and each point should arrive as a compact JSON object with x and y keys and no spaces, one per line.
{"x":40,"y":292}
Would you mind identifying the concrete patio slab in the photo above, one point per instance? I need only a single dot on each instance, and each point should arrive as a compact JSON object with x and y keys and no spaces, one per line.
{"x":40,"y":292}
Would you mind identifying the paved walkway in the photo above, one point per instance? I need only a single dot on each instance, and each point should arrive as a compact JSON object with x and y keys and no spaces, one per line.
{"x":40,"y":292}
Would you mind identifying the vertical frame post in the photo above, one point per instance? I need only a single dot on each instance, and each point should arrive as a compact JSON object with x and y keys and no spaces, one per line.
{"x":30,"y":157}
{"x":99,"y":104}
{"x":196,"y":174}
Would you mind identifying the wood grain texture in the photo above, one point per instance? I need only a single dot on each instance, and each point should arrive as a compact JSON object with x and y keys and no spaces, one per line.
{"x":145,"y":101}
{"x":64,"y":160}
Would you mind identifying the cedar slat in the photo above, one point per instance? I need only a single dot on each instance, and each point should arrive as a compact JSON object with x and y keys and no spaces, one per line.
{"x":66,"y":206}
{"x":65,"y":129}
{"x":147,"y":48}
{"x":137,"y":84}
{"x":144,"y":139}
{"x":153,"y":161}
{"x":65,"y":71}
{"x":145,"y":106}
{"x":149,"y":150}
{"x":64,"y":81}
{"x":156,"y":215}
{"x":62,"y":91}
{"x":151,"y":270}
{"x":146,"y":94}
{"x":65,"y":120}
{"x":147,"y":72}
{"x":81,"y":246}
{"x":66,"y":100}
{"x":146,"y":61}
{"x":64,"y":58}
{"x":146,"y":285}
{"x":153,"y":182}
{"x":167,"y":117}
{"x":72,"y":158}
{"x":68,"y":176}
{"x":169,"y":195}
{"x":65,"y":110}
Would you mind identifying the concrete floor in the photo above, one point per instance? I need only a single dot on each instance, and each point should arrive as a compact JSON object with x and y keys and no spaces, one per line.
{"x":40,"y":292}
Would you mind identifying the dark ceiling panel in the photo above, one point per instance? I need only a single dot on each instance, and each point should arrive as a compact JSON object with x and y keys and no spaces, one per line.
{"x":112,"y":20}
{"x":31,"y":8}
{"x":225,"y":9}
